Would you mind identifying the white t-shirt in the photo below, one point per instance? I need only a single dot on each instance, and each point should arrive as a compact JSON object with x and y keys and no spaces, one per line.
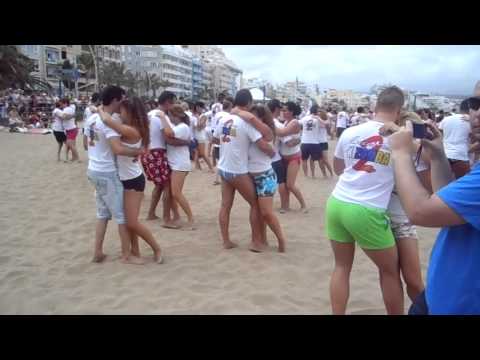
{"x":456,"y":130}
{"x":342,"y":119}
{"x":200,"y":135}
{"x":69,"y":124}
{"x":235,"y":136}
{"x":157,"y":139}
{"x":368,"y":176}
{"x":100,"y":154}
{"x":276,"y":144}
{"x":129,"y":167}
{"x":286,"y":150}
{"x":179,"y":156}
{"x":216,"y":120}
{"x":217,"y":107}
{"x":258,"y":161}
{"x":310,"y":130}
{"x":57,"y":123}
{"x":209,"y":115}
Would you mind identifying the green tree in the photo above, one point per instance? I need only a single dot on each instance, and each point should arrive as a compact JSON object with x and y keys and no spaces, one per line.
{"x":113,"y":74}
{"x":16,"y":70}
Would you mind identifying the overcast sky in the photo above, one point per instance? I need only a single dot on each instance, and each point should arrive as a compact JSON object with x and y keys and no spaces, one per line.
{"x":438,"y":68}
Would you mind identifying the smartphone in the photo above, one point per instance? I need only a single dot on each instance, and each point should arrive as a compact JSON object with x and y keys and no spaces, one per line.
{"x":419,"y":131}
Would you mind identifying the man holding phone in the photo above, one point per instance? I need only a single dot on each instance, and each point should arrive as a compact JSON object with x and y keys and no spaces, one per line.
{"x":452,"y":281}
{"x":456,"y":139}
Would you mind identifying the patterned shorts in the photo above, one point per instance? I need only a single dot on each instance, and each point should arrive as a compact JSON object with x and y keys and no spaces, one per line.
{"x":266,"y":183}
{"x":156,"y":167}
{"x":402,"y":228}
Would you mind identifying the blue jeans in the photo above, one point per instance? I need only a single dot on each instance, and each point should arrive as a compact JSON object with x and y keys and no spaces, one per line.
{"x":109,"y":195}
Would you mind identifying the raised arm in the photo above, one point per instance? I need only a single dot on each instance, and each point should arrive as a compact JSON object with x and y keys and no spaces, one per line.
{"x":265,"y":147}
{"x":256,"y":123}
{"x":293,"y":127}
{"x":119,"y":149}
{"x":126,"y":131}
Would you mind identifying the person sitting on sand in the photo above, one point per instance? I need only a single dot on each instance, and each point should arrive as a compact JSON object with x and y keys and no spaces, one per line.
{"x":103,"y":144}
{"x":235,"y":134}
{"x":178,"y":156}
{"x":134,"y":134}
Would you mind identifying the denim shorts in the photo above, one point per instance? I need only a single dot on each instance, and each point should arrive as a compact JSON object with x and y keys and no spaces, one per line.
{"x":228,"y":176}
{"x":266,"y":183}
{"x":109,"y":195}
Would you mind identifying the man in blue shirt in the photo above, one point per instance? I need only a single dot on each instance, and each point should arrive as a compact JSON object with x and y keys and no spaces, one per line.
{"x":453,"y":279}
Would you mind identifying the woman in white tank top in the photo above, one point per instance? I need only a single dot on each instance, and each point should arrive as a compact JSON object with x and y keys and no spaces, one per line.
{"x":135,"y":133}
{"x":290,"y":151}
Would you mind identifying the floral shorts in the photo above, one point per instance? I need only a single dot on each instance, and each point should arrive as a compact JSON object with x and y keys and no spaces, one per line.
{"x":266,"y":183}
{"x":402,"y":227}
{"x":156,"y":167}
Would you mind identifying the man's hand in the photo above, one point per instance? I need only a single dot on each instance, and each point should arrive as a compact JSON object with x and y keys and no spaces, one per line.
{"x":401,"y":141}
{"x":433,"y":146}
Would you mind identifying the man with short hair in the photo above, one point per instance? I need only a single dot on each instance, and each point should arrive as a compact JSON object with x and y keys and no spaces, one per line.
{"x":103,"y":144}
{"x":359,"y":118}
{"x":453,"y":285}
{"x":456,"y":139}
{"x":217,"y":107}
{"x":356,"y":210}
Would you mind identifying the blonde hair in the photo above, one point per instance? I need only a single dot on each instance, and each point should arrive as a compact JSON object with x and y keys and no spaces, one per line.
{"x":408,"y":115}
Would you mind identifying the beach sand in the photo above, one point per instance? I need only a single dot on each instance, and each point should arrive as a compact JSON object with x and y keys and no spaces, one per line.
{"x":47,"y":219}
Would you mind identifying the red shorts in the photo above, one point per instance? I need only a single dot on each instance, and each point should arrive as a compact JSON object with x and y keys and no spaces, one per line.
{"x":72,"y":134}
{"x":296,"y":157}
{"x":156,"y":167}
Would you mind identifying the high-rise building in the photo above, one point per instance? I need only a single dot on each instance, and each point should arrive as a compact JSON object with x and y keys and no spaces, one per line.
{"x":226,"y":75}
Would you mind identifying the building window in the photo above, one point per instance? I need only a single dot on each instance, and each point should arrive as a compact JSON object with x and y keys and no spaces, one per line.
{"x":64,"y":54}
{"x":52,"y":56}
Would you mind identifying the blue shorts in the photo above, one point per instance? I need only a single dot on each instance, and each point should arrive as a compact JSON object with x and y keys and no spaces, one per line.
{"x":227,"y":176}
{"x":109,"y":195}
{"x":266,"y":183}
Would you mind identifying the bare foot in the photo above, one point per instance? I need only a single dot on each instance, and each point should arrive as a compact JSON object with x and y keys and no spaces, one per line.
{"x":281,"y":249}
{"x":190,"y":226}
{"x":171,"y":225}
{"x":211,"y":171}
{"x":150,"y":217}
{"x":257,"y":248}
{"x":99,"y":258}
{"x":157,"y":257}
{"x":229,"y":245}
{"x":133,"y":260}
{"x":283,"y":211}
{"x":304,"y":210}
{"x":216,"y":182}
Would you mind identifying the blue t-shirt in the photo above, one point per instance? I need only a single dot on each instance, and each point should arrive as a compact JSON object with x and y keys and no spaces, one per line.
{"x":453,"y":280}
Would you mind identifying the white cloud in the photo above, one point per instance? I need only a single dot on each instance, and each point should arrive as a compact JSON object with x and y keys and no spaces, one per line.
{"x":436,"y":68}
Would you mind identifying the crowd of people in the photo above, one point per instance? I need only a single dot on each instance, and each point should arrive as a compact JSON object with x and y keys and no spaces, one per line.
{"x":391,"y":177}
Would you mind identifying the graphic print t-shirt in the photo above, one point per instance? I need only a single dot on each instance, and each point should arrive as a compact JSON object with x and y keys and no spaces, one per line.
{"x":310,"y":130}
{"x":368,"y":176}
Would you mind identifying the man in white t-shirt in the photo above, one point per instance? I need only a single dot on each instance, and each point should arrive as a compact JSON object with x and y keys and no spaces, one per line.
{"x":218,"y":106}
{"x":356,"y":210}
{"x":456,"y":139}
{"x":235,"y":134}
{"x":342,"y":119}
{"x":58,"y":130}
{"x":92,"y":106}
{"x":311,"y":140}
{"x":70,"y":127}
{"x":216,"y":121}
{"x":103,"y":144}
{"x":359,"y":118}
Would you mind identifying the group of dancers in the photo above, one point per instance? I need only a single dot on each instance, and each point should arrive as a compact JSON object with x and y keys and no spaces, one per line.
{"x":258,"y":149}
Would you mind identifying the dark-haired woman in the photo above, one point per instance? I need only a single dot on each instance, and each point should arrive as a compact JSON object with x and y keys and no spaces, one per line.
{"x":290,"y":151}
{"x":134,"y":134}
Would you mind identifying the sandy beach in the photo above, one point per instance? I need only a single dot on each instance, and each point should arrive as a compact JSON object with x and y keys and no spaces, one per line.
{"x":47,"y":218}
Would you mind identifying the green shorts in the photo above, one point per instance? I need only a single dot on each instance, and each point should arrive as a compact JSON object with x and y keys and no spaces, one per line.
{"x":369,"y":227}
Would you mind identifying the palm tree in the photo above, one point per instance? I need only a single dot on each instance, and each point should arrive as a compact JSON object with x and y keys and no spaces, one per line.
{"x":164,"y":83}
{"x":155,"y":84}
{"x":131,"y":82}
{"x":113,"y":74}
{"x":16,"y":69}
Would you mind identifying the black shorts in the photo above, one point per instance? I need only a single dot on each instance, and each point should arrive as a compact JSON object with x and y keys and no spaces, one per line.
{"x":216,"y":152}
{"x":280,"y":171}
{"x":60,"y":136}
{"x":311,"y":151}
{"x":339,"y":131}
{"x":137,"y":184}
{"x":323,"y":146}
